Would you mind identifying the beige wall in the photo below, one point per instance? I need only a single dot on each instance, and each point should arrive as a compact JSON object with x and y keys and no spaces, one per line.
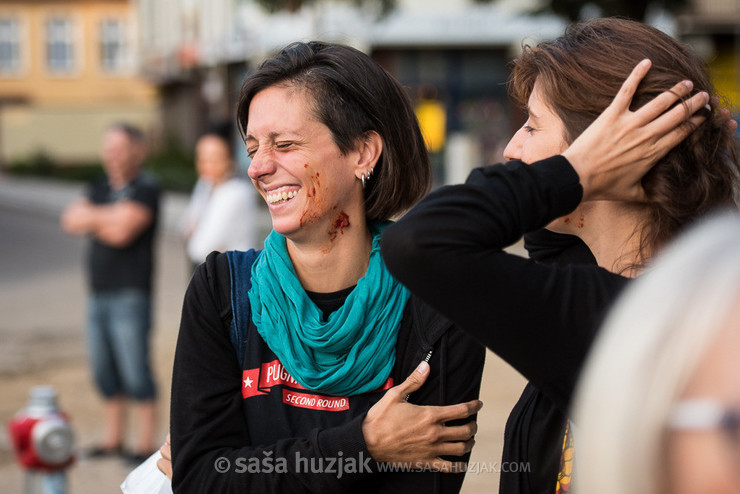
{"x":717,"y":8}
{"x":69,"y":134}
{"x":65,"y":114}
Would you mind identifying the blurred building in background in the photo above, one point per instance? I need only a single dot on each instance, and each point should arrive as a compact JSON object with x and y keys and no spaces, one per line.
{"x":713,"y":29}
{"x":451,"y":54}
{"x":68,"y":68}
{"x":197,"y":53}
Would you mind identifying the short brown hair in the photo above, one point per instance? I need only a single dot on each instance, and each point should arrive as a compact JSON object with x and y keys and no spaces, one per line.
{"x":581,"y":72}
{"x":353,"y":95}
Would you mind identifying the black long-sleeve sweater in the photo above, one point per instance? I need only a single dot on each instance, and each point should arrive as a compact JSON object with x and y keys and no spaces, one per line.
{"x":541,"y":319}
{"x":253,"y":429}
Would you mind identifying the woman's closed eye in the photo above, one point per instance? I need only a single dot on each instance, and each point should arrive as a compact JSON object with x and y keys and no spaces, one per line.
{"x":280,"y":146}
{"x":529,"y":129}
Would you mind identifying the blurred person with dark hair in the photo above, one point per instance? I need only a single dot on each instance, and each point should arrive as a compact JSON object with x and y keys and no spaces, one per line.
{"x":119,"y":215}
{"x":221,"y":214}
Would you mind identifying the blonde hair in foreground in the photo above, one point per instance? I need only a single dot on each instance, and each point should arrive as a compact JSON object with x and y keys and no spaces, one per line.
{"x":648,"y":348}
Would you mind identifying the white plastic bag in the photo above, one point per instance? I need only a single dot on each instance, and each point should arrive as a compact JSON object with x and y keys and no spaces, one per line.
{"x":147,"y":479}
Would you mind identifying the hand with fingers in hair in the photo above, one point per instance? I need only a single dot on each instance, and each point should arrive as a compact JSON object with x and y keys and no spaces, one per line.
{"x":613,"y":154}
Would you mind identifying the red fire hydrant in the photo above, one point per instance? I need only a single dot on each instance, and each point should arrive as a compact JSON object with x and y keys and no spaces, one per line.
{"x":43,"y":441}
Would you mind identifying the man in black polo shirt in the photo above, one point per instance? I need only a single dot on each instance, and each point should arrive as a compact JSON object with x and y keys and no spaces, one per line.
{"x":119,"y":215}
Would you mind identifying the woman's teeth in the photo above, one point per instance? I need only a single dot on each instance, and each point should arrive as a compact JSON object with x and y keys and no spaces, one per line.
{"x":279,"y":197}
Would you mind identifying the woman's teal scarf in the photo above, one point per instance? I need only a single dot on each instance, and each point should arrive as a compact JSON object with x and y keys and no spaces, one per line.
{"x":351,"y":353}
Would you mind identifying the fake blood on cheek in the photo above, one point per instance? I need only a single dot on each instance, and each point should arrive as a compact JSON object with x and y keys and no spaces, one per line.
{"x":310,"y":214}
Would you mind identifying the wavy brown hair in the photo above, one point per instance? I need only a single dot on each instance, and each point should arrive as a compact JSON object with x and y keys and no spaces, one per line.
{"x":581,"y":72}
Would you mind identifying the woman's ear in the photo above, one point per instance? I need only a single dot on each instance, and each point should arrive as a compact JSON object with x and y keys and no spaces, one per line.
{"x":369,"y":149}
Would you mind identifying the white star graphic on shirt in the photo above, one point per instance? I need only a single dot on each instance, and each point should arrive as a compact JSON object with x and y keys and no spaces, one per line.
{"x":248,"y":383}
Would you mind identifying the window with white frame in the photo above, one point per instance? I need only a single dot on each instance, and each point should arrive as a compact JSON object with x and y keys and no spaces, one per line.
{"x":113,"y":57}
{"x":60,"y":45}
{"x":10,"y":45}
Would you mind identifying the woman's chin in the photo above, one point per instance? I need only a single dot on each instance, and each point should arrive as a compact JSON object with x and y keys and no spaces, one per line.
{"x":283,"y":227}
{"x":293,"y":228}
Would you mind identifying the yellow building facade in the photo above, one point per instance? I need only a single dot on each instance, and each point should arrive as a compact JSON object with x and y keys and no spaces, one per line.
{"x":68,"y":69}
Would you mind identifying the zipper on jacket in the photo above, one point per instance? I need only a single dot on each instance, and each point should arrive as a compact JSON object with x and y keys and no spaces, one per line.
{"x":426,"y":359}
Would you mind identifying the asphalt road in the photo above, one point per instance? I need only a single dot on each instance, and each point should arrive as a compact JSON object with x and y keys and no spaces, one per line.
{"x":41,"y":292}
{"x":32,"y":245}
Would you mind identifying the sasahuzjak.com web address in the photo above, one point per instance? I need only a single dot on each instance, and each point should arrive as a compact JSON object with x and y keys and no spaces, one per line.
{"x":473,"y":467}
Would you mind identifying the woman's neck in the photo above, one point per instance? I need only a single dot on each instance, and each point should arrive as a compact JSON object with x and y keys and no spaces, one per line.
{"x":611,"y":231}
{"x":332,"y":262}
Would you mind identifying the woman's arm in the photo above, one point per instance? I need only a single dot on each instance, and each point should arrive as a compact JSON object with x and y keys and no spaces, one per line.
{"x":448,"y":250}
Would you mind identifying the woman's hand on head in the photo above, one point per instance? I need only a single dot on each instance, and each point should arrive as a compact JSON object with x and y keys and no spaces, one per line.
{"x":165,"y":463}
{"x":416,"y":436}
{"x":613,"y":154}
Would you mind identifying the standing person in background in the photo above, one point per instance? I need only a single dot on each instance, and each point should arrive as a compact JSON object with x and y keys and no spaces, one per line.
{"x":220,"y":215}
{"x":119,"y":215}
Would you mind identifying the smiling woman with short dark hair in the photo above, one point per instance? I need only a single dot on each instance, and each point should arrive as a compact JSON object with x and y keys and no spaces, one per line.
{"x":285,"y":356}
